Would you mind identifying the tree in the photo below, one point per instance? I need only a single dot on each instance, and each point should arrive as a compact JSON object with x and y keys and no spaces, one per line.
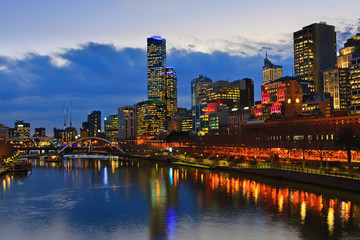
{"x":347,"y":140}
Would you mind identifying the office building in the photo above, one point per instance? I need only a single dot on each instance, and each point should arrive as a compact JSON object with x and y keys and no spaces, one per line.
{"x":127,"y":122}
{"x":351,"y":50}
{"x":169,"y":90}
{"x":314,"y":52}
{"x":150,"y":118}
{"x":111,"y":127}
{"x":271,"y":71}
{"x":199,"y":86}
{"x":22,"y":129}
{"x":94,"y":123}
{"x":156,"y":61}
{"x":40,"y":132}
{"x":354,"y":76}
{"x":336,"y":83}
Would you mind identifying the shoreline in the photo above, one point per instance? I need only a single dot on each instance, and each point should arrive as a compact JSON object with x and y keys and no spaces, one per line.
{"x":310,"y":176}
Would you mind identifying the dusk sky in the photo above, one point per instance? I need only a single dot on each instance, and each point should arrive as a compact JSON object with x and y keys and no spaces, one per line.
{"x":94,"y":52}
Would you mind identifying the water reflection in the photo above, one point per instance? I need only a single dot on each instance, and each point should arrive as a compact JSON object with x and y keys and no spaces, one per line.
{"x":175,"y":202}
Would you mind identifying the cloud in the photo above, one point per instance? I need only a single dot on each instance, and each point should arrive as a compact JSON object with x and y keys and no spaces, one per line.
{"x":100,"y":76}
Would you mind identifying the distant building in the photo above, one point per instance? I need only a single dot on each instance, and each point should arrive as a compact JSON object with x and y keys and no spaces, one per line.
{"x":337,"y":84}
{"x":271,"y":71}
{"x":237,"y":117}
{"x":318,"y":104}
{"x":282,"y":97}
{"x":94,"y":123}
{"x":21,"y":129}
{"x":156,"y":61}
{"x":111,"y":127}
{"x":354,"y":75}
{"x":218,"y":116}
{"x":199,"y":86}
{"x":314,"y":52}
{"x":169,"y":90}
{"x":232,"y":95}
{"x":4,"y":133}
{"x":84,"y":130}
{"x":127,"y":122}
{"x":351,"y":50}
{"x":150,"y":118}
{"x":181,"y":121}
{"x":66,"y":136}
{"x":40,"y":132}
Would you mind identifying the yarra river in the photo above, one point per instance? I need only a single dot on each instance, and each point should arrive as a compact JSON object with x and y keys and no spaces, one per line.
{"x":96,"y":198}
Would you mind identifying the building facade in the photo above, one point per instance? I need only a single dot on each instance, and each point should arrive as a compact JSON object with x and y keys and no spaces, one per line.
{"x":354,"y":76}
{"x":150,"y":118}
{"x":156,"y":61}
{"x":271,"y":71}
{"x":170,"y":90}
{"x":21,"y":129}
{"x":336,"y":83}
{"x":40,"y":132}
{"x":314,"y":52}
{"x":111,"y":127}
{"x":94,"y":123}
{"x":127,"y":122}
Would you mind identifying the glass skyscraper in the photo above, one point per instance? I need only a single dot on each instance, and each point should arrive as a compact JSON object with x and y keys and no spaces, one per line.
{"x":170,"y":90}
{"x":156,"y":61}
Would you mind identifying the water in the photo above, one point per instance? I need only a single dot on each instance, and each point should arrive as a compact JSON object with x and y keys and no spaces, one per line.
{"x":113,"y":199}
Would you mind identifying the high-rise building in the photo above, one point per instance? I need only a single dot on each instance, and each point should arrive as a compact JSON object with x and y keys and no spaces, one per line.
{"x":156,"y":61}
{"x":127,"y":122}
{"x":150,"y":117}
{"x":354,"y":76}
{"x":40,"y":132}
{"x":314,"y":52}
{"x":22,"y":129}
{"x":94,"y":123}
{"x":336,"y":83}
{"x":271,"y":71}
{"x":351,"y":50}
{"x":198,"y":101}
{"x":170,"y":90}
{"x":4,"y":133}
{"x":111,"y":127}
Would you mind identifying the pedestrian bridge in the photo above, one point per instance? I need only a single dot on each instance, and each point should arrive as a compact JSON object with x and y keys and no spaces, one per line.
{"x":92,"y":138}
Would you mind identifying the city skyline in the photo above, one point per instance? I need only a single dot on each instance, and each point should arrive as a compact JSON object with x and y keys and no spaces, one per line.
{"x":115,"y":75}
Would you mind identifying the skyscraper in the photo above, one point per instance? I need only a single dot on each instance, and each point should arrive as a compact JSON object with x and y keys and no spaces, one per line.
{"x":314,"y":52}
{"x":156,"y":61}
{"x":94,"y":123}
{"x":170,"y":90}
{"x":127,"y":122}
{"x":271,"y":71}
{"x":111,"y":127}
{"x":198,"y":101}
{"x":150,"y":117}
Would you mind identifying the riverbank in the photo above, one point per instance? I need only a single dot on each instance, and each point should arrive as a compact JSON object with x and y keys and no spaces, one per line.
{"x":349,"y":182}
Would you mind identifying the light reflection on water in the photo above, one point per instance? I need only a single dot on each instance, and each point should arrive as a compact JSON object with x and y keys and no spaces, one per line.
{"x":97,"y":198}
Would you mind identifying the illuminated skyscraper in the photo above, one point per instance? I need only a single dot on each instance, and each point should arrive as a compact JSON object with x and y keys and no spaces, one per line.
{"x":156,"y":61}
{"x":127,"y":122}
{"x":198,"y":101}
{"x":314,"y":52}
{"x":150,"y":117}
{"x":336,"y":82}
{"x":354,"y":75}
{"x":271,"y":71}
{"x":111,"y":127}
{"x":170,"y":90}
{"x":94,"y":123}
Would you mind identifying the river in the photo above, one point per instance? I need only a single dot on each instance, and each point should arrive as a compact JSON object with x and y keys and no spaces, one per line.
{"x":93,"y":198}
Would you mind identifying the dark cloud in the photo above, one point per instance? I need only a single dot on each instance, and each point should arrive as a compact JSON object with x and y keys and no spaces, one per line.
{"x":101,"y":77}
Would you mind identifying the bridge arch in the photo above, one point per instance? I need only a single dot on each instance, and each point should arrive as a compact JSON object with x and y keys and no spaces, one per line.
{"x":91,"y":138}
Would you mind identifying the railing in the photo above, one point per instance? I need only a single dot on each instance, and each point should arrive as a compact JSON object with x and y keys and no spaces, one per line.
{"x":304,"y":170}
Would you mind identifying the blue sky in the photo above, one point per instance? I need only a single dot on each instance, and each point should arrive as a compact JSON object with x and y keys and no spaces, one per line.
{"x":94,"y":52}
